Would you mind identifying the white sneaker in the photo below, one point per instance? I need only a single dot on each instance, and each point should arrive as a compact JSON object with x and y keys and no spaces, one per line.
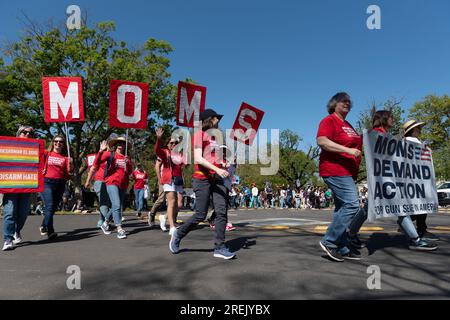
{"x":162,"y":222}
{"x":172,"y":230}
{"x":121,"y":234}
{"x":17,"y":238}
{"x":8,"y":245}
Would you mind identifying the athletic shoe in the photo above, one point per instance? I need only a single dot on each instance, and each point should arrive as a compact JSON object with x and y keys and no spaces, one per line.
{"x":138,"y":214}
{"x":172,"y":230}
{"x":356,"y":243}
{"x":422,"y":245}
{"x":162,"y":222}
{"x":224,"y":253}
{"x":105,"y":228}
{"x":52,"y":235}
{"x":174,"y":244}
{"x":230,"y":227}
{"x":43,"y":231}
{"x":8,"y":245}
{"x":352,"y":255}
{"x":428,"y":236}
{"x":332,"y":253}
{"x":17,"y":238}
{"x":121,"y":234}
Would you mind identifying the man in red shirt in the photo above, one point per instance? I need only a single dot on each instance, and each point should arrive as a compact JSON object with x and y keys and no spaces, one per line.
{"x":140,"y":178}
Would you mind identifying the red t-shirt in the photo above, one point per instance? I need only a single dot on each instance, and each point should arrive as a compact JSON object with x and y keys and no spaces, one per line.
{"x":57,"y":166}
{"x":139,"y":178}
{"x":99,"y":170}
{"x":209,"y":146}
{"x":339,"y":164}
{"x":177,"y":165}
{"x":118,"y":175}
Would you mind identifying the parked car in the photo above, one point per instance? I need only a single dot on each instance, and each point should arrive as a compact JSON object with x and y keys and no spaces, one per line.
{"x":443,"y":191}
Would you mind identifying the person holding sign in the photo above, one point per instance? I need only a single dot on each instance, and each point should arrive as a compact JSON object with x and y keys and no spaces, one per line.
{"x":208,"y":179}
{"x":140,"y":178}
{"x":171,"y":177}
{"x":338,"y":166}
{"x":117,"y":170}
{"x":382,"y":122}
{"x":57,"y":170}
{"x":412,"y":131}
{"x":16,"y":206}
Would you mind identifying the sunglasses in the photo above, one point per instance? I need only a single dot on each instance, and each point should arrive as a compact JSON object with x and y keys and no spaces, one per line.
{"x":27,"y":132}
{"x":58,"y":141}
{"x":173,"y":143}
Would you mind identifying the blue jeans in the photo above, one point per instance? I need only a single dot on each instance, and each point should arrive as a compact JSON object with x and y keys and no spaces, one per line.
{"x":254,"y":201}
{"x":52,"y":196}
{"x":408,"y":227}
{"x":347,"y":205}
{"x":139,"y":199}
{"x":15,"y":213}
{"x":358,"y":220}
{"x":116,"y":196}
{"x":103,"y":200}
{"x":282,"y":203}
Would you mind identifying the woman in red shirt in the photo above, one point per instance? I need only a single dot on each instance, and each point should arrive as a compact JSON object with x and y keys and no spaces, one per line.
{"x":57,"y":170}
{"x":208,"y":179}
{"x":140,"y":178}
{"x":171,"y":178}
{"x":117,"y":170}
{"x":338,"y":166}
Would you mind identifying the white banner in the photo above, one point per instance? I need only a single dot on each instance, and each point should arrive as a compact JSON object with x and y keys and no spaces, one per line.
{"x":400,"y":177}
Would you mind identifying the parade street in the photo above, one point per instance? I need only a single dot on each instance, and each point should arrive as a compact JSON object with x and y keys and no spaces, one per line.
{"x":278,"y":257}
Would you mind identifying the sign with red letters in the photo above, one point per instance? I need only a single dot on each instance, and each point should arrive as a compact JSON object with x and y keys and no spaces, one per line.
{"x":63,"y":99}
{"x":247,"y":124}
{"x":128,"y":104}
{"x":191,"y":101}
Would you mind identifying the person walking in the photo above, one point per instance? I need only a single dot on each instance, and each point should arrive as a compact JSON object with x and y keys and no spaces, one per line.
{"x":338,"y":166}
{"x":140,"y":178}
{"x":159,"y":201}
{"x":16,"y":206}
{"x":171,"y":176}
{"x":117,"y":169}
{"x":57,"y":168}
{"x":208,"y":179}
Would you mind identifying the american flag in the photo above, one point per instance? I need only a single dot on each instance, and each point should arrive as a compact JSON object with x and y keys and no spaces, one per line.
{"x":423,"y":154}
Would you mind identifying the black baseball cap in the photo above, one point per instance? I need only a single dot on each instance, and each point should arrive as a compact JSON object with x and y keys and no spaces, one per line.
{"x":209,"y":113}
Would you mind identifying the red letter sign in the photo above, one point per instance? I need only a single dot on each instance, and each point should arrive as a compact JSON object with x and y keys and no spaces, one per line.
{"x":190,"y":103}
{"x":128,"y":104}
{"x":63,"y":99}
{"x":247,"y":124}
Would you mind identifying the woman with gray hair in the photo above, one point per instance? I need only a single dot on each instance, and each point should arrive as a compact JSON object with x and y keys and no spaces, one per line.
{"x":338,"y":166}
{"x":16,"y":206}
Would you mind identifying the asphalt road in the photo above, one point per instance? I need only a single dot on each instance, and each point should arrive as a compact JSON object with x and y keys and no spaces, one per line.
{"x":278,"y":257}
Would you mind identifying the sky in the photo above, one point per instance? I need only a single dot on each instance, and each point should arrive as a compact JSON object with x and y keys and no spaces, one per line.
{"x":284,"y":57}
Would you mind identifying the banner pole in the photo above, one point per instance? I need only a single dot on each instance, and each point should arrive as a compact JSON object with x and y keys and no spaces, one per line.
{"x":126,"y":145}
{"x":67,"y":139}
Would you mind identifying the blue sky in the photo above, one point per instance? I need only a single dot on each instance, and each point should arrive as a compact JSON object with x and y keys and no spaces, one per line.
{"x":285,"y":57}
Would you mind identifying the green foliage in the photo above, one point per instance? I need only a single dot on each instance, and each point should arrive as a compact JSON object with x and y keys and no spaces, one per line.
{"x":94,"y":55}
{"x":435,"y":112}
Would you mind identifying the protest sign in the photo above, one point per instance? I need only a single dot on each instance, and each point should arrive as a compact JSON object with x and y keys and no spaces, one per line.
{"x":247,"y":124}
{"x":191,"y":101}
{"x":400,"y":176}
{"x":21,"y":165}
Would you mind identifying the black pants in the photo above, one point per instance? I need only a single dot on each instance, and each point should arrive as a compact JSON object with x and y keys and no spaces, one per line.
{"x":421,"y":223}
{"x":203,"y":190}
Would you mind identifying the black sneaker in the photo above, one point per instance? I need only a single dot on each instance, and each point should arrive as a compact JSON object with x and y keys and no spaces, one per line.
{"x":352,"y":255}
{"x":52,"y":235}
{"x":428,"y":236}
{"x":332,"y":253}
{"x":422,"y":245}
{"x":356,"y":243}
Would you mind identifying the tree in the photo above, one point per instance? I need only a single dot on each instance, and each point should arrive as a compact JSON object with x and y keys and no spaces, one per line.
{"x":94,"y":55}
{"x":435,"y":112}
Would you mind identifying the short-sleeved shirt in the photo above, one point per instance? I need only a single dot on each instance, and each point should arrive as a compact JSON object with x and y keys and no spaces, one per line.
{"x":340,"y":132}
{"x":118,"y":172}
{"x":209,"y":147}
{"x":57,"y":166}
{"x":139,"y":178}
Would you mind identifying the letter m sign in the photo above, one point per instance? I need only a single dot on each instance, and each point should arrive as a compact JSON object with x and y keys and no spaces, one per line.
{"x":63,"y":99}
{"x":190,"y":103}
